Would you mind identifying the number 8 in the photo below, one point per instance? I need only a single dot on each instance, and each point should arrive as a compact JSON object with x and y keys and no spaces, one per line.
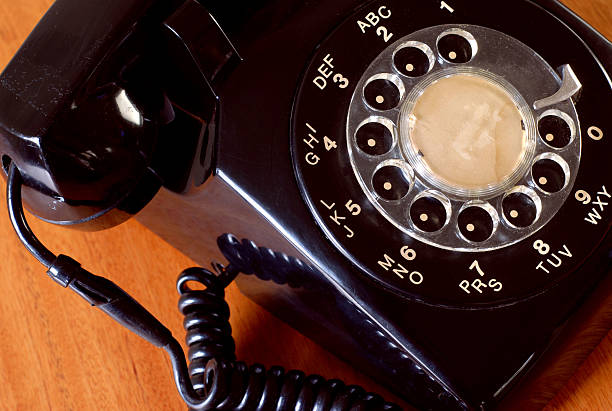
{"x":541,"y":247}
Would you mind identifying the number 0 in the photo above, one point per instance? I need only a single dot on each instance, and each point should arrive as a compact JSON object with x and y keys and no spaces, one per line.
{"x":595,"y":133}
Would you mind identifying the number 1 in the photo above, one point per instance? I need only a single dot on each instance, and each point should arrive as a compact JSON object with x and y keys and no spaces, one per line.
{"x":444,"y":5}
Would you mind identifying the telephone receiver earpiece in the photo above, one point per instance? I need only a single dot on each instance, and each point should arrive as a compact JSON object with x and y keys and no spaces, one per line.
{"x":90,"y":117}
{"x":93,"y":139}
{"x":401,"y":247}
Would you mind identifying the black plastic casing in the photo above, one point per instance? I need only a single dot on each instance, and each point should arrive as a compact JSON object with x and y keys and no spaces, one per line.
{"x":94,"y":102}
{"x":434,"y":357}
{"x":233,"y":91}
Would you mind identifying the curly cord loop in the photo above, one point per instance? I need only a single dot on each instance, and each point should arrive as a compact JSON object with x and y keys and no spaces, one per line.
{"x":230,"y":385}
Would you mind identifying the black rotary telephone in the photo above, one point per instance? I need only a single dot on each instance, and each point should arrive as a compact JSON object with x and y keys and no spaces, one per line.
{"x":422,"y":187}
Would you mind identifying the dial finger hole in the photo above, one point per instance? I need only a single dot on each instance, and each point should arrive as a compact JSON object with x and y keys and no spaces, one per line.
{"x":393,"y":180}
{"x":413,"y":59}
{"x":550,"y":173}
{"x":521,"y":207}
{"x":430,"y":212}
{"x":457,"y":46}
{"x":375,"y":136}
{"x":384,"y":92}
{"x":556,"y":128}
{"x":477,"y":222}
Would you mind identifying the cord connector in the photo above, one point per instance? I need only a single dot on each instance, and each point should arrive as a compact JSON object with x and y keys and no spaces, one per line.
{"x":63,"y":270}
{"x":110,"y":298}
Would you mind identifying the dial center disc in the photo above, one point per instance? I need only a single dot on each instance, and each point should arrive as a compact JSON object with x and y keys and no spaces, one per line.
{"x":467,"y":130}
{"x":445,"y":140}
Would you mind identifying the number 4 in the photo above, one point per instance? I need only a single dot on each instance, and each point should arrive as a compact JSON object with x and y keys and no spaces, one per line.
{"x":329,"y":143}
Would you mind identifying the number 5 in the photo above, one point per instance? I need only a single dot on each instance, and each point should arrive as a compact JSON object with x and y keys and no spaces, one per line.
{"x":354,"y":209}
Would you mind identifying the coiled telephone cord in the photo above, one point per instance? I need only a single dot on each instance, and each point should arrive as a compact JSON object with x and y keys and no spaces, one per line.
{"x":238,"y":386}
{"x":214,"y":380}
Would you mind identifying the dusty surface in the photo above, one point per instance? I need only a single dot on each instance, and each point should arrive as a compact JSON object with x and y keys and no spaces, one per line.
{"x":468,"y":130}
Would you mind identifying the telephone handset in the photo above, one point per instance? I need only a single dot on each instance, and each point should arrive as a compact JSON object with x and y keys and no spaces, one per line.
{"x":413,"y":172}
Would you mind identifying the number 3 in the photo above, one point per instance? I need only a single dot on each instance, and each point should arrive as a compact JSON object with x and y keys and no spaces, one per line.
{"x":341,"y":81}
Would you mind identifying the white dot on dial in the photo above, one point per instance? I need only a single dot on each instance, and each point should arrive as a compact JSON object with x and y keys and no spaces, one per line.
{"x":380,"y":99}
{"x":409,"y":67}
{"x":424,"y":217}
{"x":371,"y":142}
{"x":470,"y":227}
{"x":452,"y":55}
{"x":550,"y":137}
{"x":514,"y":214}
{"x":387,"y":186}
{"x":543,"y":180}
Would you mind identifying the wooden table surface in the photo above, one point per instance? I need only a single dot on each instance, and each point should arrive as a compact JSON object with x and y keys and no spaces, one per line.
{"x":58,"y":353}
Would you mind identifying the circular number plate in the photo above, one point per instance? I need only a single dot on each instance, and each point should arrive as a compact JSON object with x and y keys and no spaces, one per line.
{"x":355,"y":173}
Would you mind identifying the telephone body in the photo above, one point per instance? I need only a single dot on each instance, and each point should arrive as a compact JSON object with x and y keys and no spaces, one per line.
{"x":237,"y":121}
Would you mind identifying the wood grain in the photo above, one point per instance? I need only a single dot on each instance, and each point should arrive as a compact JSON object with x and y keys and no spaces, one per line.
{"x":58,"y":353}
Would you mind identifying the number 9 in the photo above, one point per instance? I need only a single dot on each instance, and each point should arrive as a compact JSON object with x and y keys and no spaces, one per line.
{"x":583,"y":197}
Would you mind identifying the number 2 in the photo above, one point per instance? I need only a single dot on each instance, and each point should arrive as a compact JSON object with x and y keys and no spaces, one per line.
{"x":384,"y":33}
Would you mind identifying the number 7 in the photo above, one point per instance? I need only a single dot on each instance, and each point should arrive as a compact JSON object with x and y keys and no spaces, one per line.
{"x":476,"y":266}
